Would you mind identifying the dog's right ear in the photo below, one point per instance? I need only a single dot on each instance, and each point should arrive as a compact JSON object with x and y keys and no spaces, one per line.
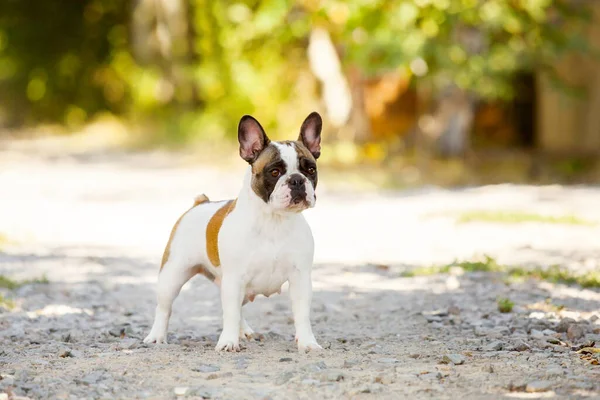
{"x":252,"y":138}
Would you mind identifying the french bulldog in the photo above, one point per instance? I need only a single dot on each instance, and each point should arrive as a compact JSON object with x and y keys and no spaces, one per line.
{"x":254,"y":244}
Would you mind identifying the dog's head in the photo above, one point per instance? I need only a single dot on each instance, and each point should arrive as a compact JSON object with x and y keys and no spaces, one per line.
{"x":284,"y":174}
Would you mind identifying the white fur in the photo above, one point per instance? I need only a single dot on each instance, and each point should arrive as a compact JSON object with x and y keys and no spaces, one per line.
{"x":261,"y":247}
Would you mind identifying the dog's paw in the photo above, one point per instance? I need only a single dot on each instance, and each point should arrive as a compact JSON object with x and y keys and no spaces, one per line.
{"x":308,"y":345}
{"x":226,"y":344}
{"x":247,"y":333}
{"x":154,"y":338}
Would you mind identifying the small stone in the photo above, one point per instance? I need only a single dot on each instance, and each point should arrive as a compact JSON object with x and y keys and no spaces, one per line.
{"x":454,"y":310}
{"x":65,"y":353}
{"x":205,"y":368}
{"x":564,"y":324}
{"x":66,"y":337}
{"x":456,"y":359}
{"x":310,"y":382}
{"x":7,"y":380}
{"x":283,"y":378}
{"x":537,"y":334}
{"x":286,"y":359}
{"x":549,"y":332}
{"x":331,"y":376}
{"x":129,"y":344}
{"x":521,"y":346}
{"x":117,"y":332}
{"x":181,"y":390}
{"x":489,"y":368}
{"x":553,"y":340}
{"x":433,"y":318}
{"x":496,"y":345}
{"x":575,"y":332}
{"x":387,"y":360}
{"x":594,"y":318}
{"x":383,"y":379}
{"x":315,"y":367}
{"x":517,"y":386}
{"x":538,"y":386}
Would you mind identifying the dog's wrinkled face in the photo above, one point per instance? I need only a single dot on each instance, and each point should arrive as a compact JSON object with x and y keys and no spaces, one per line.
{"x":284,"y":174}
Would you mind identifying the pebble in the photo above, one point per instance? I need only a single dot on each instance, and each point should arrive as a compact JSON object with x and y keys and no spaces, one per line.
{"x":388,"y":361}
{"x":331,"y":376}
{"x":521,"y":346}
{"x":310,"y":382}
{"x":564,"y":324}
{"x":494,"y":346}
{"x":286,"y":359}
{"x":129,"y":344}
{"x":456,"y":359}
{"x":537,"y":334}
{"x":538,"y":386}
{"x":206,"y":368}
{"x":575,"y":332}
{"x":181,"y":390}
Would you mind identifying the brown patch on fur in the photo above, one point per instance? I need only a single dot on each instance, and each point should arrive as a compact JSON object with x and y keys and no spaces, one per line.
{"x":197,"y":201}
{"x":303,"y":151}
{"x":201,"y":199}
{"x":212,"y":232}
{"x":199,"y":269}
{"x":262,"y":184}
{"x":266,"y":156}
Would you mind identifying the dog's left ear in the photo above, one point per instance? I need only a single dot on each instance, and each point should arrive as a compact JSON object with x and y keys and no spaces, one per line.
{"x":252,"y":138}
{"x":310,"y":133}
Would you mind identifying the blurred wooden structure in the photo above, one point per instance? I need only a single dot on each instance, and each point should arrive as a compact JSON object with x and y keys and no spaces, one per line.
{"x":569,"y":125}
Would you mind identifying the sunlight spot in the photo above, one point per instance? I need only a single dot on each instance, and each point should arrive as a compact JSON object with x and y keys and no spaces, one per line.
{"x":58,"y":310}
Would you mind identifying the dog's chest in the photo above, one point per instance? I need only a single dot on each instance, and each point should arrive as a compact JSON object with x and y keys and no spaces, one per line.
{"x":269,"y":266}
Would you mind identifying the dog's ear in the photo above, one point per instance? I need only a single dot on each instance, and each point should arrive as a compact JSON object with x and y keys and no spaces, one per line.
{"x":252,"y":138}
{"x":310,"y":133}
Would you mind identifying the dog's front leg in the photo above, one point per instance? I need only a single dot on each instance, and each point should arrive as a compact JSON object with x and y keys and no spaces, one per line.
{"x":231,"y":301}
{"x":301,"y":296}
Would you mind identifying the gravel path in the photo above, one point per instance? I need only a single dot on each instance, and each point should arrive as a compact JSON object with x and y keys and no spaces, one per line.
{"x":95,"y":225}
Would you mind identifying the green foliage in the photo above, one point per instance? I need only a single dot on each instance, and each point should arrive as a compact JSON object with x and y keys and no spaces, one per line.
{"x":65,"y":61}
{"x":505,"y":305}
{"x":515,"y":217}
{"x":54,"y":59}
{"x":11,"y":284}
{"x":478,"y":45}
{"x":553,"y":273}
{"x":6,"y":303}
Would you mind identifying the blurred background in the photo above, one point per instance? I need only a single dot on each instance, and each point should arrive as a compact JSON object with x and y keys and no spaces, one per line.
{"x":412,"y":91}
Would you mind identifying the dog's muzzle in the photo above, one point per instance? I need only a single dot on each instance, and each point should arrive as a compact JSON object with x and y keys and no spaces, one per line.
{"x":297,"y":185}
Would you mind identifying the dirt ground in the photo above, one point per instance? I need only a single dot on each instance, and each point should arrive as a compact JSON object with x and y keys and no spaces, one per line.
{"x":95,"y":225}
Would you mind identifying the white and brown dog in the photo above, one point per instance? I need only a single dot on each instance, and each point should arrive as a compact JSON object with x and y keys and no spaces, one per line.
{"x":254,"y":244}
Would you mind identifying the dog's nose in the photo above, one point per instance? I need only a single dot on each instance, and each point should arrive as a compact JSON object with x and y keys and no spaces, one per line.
{"x":296,"y":181}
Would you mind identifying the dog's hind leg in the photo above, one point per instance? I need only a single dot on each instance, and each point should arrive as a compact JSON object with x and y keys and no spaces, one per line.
{"x":170,"y":280}
{"x":245,"y":330}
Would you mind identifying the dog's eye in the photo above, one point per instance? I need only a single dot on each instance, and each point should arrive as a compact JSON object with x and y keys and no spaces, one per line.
{"x":275,"y":173}
{"x":312,"y":170}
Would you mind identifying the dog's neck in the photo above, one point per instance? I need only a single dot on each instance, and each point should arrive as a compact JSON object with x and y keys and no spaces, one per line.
{"x":257,"y":210}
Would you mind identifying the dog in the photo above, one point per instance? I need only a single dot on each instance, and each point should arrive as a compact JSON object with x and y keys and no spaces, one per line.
{"x":254,"y":244}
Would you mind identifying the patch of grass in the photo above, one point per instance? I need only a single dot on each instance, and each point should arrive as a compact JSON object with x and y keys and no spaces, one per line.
{"x":6,"y":303}
{"x":516,"y":217}
{"x":488,"y":264}
{"x":505,"y":305}
{"x":11,"y":284}
{"x":554,"y":273}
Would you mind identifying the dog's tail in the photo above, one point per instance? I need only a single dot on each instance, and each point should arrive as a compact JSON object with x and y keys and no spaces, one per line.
{"x":201,"y":199}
